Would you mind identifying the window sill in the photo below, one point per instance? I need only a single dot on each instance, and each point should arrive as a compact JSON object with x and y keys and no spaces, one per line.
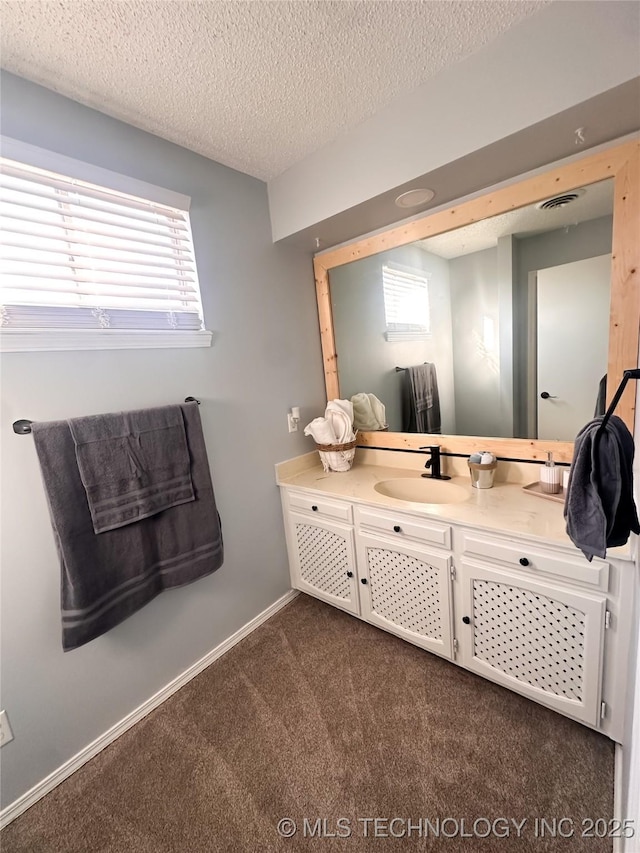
{"x":42,"y":340}
{"x":399,"y":335}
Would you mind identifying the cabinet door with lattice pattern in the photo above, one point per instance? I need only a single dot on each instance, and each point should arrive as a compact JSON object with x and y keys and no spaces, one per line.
{"x":323,"y":560}
{"x":539,"y":639}
{"x":406,"y":590}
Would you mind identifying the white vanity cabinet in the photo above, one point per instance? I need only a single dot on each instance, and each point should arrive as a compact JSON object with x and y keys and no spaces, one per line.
{"x":534,"y":620}
{"x":535,"y":617}
{"x":319,"y":534}
{"x":405,"y":577}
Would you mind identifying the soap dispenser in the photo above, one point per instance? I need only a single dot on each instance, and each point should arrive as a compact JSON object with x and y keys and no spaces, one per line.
{"x":550,"y":481}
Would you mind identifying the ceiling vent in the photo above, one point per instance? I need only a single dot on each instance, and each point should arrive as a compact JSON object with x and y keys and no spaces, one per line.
{"x":560,"y":200}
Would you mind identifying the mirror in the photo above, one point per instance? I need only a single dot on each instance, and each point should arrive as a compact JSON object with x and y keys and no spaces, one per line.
{"x":499,"y":312}
{"x":481,"y":319}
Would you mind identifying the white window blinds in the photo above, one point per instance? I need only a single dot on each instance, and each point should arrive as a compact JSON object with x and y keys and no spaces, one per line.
{"x":79,"y":256}
{"x":406,"y":304}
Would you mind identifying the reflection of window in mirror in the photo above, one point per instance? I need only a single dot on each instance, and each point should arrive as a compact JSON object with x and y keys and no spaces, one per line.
{"x":406,"y":303}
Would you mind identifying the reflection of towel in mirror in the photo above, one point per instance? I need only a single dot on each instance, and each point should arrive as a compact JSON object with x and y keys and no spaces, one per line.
{"x":368,"y":412}
{"x":379,"y":410}
{"x":601,"y":399}
{"x":420,"y":399}
{"x":599,"y":509}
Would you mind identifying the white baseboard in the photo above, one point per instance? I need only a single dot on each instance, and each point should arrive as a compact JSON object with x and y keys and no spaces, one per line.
{"x":12,"y":811}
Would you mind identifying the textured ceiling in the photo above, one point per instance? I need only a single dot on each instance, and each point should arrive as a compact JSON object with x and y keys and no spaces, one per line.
{"x":254,"y":85}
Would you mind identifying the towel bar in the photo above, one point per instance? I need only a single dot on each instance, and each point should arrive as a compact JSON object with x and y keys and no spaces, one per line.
{"x":400,"y":369}
{"x":626,"y":376}
{"x":23,"y":427}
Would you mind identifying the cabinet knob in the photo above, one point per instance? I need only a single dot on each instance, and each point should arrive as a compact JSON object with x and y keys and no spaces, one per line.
{"x":349,"y":574}
{"x":466,"y":620}
{"x":363,"y":580}
{"x":524,"y":561}
{"x":314,"y":508}
{"x":397,"y":528}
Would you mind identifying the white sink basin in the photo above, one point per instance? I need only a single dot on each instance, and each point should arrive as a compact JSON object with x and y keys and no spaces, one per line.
{"x":423,"y":490}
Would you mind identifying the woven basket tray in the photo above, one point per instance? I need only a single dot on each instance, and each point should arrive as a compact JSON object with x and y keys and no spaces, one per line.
{"x":345,"y":453}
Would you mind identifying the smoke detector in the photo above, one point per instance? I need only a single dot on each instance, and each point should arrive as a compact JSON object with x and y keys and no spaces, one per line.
{"x":560,"y":200}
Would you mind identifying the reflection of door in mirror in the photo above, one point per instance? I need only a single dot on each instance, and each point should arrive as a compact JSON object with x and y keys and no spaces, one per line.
{"x":478,"y":329}
{"x":571,"y":356}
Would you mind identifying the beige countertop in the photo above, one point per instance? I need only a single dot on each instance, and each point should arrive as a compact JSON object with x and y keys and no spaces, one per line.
{"x":505,"y":508}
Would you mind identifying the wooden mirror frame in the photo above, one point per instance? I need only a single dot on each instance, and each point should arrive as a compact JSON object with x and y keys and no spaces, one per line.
{"x":621,"y":163}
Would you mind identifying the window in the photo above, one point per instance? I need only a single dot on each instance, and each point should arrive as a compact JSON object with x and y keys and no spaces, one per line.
{"x":89,"y":266}
{"x":406,"y":303}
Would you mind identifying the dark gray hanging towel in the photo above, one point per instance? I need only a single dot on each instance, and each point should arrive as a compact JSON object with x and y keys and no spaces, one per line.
{"x":108,"y":576}
{"x":420,"y":399}
{"x":599,"y":508}
{"x":132,"y":464}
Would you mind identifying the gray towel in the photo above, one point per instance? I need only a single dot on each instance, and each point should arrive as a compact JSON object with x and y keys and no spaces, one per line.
{"x":599,"y":508}
{"x":107,"y":577}
{"x":421,"y":400}
{"x":132,"y":464}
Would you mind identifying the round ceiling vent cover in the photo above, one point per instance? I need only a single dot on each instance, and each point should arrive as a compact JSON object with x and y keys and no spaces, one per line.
{"x":560,"y":200}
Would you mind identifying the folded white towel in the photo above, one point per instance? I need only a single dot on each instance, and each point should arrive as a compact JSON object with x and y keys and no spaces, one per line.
{"x":335,"y":428}
{"x":321,"y":430}
{"x":345,"y":406}
{"x":340,"y":414}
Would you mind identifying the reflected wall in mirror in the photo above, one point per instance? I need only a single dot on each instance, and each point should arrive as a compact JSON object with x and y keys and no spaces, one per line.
{"x":502,"y":311}
{"x":488,"y":320}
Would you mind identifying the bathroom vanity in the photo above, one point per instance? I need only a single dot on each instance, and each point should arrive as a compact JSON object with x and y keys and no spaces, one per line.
{"x":489,"y":581}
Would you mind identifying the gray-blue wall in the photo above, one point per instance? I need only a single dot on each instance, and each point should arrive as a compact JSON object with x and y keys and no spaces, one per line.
{"x":259,"y":300}
{"x":475,"y":294}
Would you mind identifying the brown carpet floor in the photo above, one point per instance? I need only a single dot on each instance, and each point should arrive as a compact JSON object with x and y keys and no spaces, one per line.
{"x":319,"y":715}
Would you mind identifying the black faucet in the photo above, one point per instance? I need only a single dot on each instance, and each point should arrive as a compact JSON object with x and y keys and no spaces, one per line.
{"x":433,"y":463}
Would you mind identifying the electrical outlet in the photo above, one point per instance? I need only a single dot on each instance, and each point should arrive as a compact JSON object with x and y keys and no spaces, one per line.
{"x":293,"y":423}
{"x":6,"y":735}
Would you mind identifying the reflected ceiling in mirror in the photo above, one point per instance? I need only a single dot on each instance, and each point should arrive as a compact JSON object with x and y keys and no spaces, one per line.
{"x":502,"y":311}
